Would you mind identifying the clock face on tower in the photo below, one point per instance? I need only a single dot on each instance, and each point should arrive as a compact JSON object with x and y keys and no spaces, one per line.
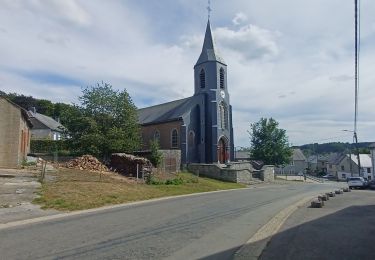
{"x":222,"y":93}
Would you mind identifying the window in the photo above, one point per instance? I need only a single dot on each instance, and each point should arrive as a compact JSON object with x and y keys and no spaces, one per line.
{"x":342,"y":167}
{"x":222,"y":78}
{"x":191,"y":139}
{"x":157,"y":136}
{"x":174,"y":138}
{"x":202,"y":79}
{"x":368,"y":170}
{"x":223,"y":113}
{"x":343,"y":176}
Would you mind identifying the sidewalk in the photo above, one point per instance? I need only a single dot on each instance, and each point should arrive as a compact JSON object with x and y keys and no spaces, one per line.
{"x":17,"y":190}
{"x":343,"y":229}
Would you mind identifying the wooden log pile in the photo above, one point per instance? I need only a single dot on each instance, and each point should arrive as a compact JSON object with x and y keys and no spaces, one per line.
{"x":126,"y":164}
{"x":86,"y":162}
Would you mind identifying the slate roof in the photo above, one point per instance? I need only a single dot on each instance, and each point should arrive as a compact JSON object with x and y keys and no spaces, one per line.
{"x":209,"y":52}
{"x":335,"y":158}
{"x":166,"y":112}
{"x":312,"y":159}
{"x":364,"y":158}
{"x":298,"y":155}
{"x":41,"y":121}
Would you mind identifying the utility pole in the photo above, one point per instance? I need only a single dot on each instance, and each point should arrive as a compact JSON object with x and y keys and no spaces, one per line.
{"x":356,"y":77}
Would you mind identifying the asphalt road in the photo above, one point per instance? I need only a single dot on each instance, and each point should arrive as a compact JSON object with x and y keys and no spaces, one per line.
{"x":209,"y":226}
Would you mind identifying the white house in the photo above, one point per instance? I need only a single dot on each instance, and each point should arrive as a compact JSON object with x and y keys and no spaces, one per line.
{"x":348,"y":166}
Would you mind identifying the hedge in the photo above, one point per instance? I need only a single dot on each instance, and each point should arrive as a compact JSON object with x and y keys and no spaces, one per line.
{"x":48,"y":146}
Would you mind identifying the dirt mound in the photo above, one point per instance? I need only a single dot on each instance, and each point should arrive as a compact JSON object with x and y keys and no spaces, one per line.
{"x":86,"y":162}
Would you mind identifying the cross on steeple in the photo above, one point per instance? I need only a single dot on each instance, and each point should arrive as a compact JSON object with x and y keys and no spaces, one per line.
{"x":209,"y":9}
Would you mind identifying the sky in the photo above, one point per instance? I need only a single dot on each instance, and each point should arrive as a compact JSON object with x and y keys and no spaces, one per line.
{"x":292,"y":60}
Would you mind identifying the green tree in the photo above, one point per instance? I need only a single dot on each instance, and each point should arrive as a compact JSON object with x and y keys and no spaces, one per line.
{"x":269,"y":143}
{"x":105,"y":122}
{"x":156,"y":156}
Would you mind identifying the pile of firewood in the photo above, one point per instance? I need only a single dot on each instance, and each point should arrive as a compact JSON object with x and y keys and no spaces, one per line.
{"x":129,"y":165}
{"x":86,"y":162}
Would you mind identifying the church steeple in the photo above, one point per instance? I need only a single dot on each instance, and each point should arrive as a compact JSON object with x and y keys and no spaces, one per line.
{"x":209,"y":52}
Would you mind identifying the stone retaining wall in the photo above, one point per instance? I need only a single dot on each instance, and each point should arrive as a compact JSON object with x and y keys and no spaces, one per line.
{"x":240,"y":172}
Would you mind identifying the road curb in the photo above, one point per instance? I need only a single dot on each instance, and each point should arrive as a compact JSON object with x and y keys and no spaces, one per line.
{"x":253,"y":248}
{"x":123,"y":205}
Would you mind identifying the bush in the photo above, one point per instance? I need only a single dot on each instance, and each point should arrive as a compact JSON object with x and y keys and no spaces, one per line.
{"x":48,"y":146}
{"x":151,"y":180}
{"x":175,"y":181}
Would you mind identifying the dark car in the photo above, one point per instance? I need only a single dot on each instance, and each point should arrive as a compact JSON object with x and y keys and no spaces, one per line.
{"x":371,"y":184}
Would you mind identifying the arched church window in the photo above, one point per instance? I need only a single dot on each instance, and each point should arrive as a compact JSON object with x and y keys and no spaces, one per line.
{"x":202,"y":79}
{"x":223,"y":113}
{"x":174,"y":138}
{"x":191,"y":139}
{"x":222,"y":78}
{"x":157,"y":136}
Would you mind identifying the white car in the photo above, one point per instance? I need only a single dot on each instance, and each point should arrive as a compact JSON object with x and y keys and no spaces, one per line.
{"x":357,"y":182}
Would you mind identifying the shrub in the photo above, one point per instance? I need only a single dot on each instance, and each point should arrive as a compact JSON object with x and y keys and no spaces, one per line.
{"x":48,"y":146}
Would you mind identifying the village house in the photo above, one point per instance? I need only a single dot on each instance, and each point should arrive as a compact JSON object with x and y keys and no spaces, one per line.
{"x":346,"y":165}
{"x":14,"y":134}
{"x":44,"y":127}
{"x":298,"y":164}
{"x":199,"y":126}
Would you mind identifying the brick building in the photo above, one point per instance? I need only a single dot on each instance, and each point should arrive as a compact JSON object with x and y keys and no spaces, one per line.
{"x":200,"y":126}
{"x":14,"y":134}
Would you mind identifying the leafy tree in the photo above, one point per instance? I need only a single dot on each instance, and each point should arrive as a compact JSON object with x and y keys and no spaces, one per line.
{"x":45,"y":107}
{"x":269,"y":143}
{"x":364,"y":151}
{"x":104,"y":123}
{"x":23,"y":101}
{"x":156,"y":156}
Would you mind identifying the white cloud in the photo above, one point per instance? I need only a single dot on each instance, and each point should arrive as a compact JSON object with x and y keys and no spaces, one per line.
{"x":68,"y":10}
{"x":299,"y":71}
{"x":239,"y":18}
{"x":250,"y":41}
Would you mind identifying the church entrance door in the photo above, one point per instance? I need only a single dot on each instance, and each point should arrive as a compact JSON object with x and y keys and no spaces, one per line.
{"x":221,"y":150}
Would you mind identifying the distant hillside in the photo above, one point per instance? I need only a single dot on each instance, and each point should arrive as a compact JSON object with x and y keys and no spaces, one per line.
{"x":335,"y":147}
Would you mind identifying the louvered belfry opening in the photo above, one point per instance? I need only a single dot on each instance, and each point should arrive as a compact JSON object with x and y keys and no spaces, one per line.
{"x":221,"y":78}
{"x":202,"y":77}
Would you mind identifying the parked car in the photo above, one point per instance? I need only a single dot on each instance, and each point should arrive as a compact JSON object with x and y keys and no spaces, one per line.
{"x":357,"y":182}
{"x":371,"y":184}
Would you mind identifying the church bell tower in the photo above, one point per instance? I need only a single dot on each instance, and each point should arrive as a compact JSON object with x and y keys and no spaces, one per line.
{"x":210,"y":80}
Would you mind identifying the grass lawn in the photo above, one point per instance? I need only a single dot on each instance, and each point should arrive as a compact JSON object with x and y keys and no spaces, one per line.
{"x":71,"y":189}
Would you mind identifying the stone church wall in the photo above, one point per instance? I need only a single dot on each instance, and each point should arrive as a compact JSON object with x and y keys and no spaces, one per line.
{"x":171,"y":161}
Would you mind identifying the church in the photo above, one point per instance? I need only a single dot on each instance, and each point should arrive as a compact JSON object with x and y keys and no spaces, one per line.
{"x":200,"y":126}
